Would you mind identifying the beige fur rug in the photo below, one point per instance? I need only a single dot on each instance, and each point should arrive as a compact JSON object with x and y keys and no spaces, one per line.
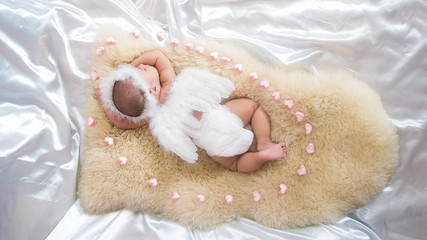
{"x":354,"y":143}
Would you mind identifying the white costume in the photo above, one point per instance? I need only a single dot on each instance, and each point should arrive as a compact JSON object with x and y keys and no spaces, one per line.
{"x":219,"y":132}
{"x":222,"y":133}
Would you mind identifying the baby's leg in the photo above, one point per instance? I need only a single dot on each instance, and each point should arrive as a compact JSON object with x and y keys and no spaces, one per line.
{"x":249,"y":111}
{"x":251,"y":161}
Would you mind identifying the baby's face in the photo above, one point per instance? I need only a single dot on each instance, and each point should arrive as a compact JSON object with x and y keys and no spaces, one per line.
{"x":151,"y":74}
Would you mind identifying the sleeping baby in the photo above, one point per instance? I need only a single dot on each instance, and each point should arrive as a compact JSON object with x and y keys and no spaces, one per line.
{"x":184,"y":111}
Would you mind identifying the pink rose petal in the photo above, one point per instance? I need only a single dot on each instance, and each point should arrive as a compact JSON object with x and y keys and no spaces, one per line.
{"x":214,"y":55}
{"x":136,"y":33}
{"x":201,"y":198}
{"x":257,"y":196}
{"x":253,"y":75}
{"x":310,"y":148}
{"x":308,"y":128}
{"x":175,"y":42}
{"x":100,"y":51}
{"x":300,"y":116}
{"x":283,"y":188}
{"x":91,"y":121}
{"x":94,"y":76}
{"x":200,"y":50}
{"x":289,"y":103}
{"x":111,"y":41}
{"x":152,"y":182}
{"x":229,"y":199}
{"x":122,"y":160}
{"x":302,"y":170}
{"x":265,"y":83}
{"x":161,"y":36}
{"x":175,"y":196}
{"x":225,"y":60}
{"x":189,"y":46}
{"x":109,"y":141}
{"x":238,"y":67}
{"x":276,"y":95}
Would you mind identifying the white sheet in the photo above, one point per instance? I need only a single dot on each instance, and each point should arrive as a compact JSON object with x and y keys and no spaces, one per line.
{"x":45,"y":64}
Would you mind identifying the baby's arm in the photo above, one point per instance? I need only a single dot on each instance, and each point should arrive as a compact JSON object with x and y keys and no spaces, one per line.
{"x":163,"y":65}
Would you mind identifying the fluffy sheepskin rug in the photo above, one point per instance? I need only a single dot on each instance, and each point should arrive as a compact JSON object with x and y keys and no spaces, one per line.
{"x":341,"y":147}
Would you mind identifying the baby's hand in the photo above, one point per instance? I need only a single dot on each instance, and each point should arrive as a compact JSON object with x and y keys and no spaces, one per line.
{"x":142,"y":66}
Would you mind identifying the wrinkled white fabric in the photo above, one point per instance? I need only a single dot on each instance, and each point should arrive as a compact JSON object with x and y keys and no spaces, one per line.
{"x":45,"y":65}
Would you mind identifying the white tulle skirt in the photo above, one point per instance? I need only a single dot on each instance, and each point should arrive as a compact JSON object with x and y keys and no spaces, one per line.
{"x":222,"y":133}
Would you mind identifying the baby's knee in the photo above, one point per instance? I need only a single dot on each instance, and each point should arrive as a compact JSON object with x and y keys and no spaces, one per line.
{"x":254,"y":104}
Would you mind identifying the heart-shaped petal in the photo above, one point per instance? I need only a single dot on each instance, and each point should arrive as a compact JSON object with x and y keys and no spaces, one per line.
{"x":175,"y":42}
{"x":300,"y":116}
{"x":283,"y":188}
{"x":100,"y":51}
{"x":257,"y":196}
{"x":229,"y":199}
{"x":201,"y":198}
{"x":253,"y":75}
{"x":91,"y":121}
{"x":214,"y":55}
{"x":111,"y":41}
{"x":109,"y":141}
{"x":276,"y":95}
{"x":153,"y":182}
{"x":302,"y":170}
{"x":94,"y":76}
{"x":161,"y":36}
{"x":189,"y":46}
{"x":200,"y":50}
{"x":265,"y":83}
{"x":136,"y":33}
{"x":175,"y":196}
{"x":122,"y":160}
{"x":238,"y":67}
{"x":308,"y":128}
{"x":310,"y":148}
{"x":289,"y":103}
{"x":225,"y":60}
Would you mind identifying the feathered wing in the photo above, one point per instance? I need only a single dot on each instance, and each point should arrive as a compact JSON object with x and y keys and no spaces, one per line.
{"x":173,"y":122}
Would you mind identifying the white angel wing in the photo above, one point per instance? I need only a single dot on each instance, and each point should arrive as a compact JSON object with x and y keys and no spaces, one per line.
{"x":173,"y":122}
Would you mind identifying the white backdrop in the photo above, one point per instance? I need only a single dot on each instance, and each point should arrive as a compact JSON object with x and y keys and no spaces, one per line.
{"x":45,"y":63}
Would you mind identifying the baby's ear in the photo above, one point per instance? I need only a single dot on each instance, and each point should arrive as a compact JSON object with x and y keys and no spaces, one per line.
{"x":155,"y":89}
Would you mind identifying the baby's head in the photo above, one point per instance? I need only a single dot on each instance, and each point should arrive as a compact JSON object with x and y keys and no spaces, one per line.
{"x":127,"y":98}
{"x":130,"y":91}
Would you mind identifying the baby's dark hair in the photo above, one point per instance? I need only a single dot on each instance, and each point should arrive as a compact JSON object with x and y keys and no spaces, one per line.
{"x":128,"y":99}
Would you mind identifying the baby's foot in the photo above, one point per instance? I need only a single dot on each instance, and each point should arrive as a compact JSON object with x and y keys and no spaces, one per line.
{"x":264,"y":144}
{"x":274,"y":151}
